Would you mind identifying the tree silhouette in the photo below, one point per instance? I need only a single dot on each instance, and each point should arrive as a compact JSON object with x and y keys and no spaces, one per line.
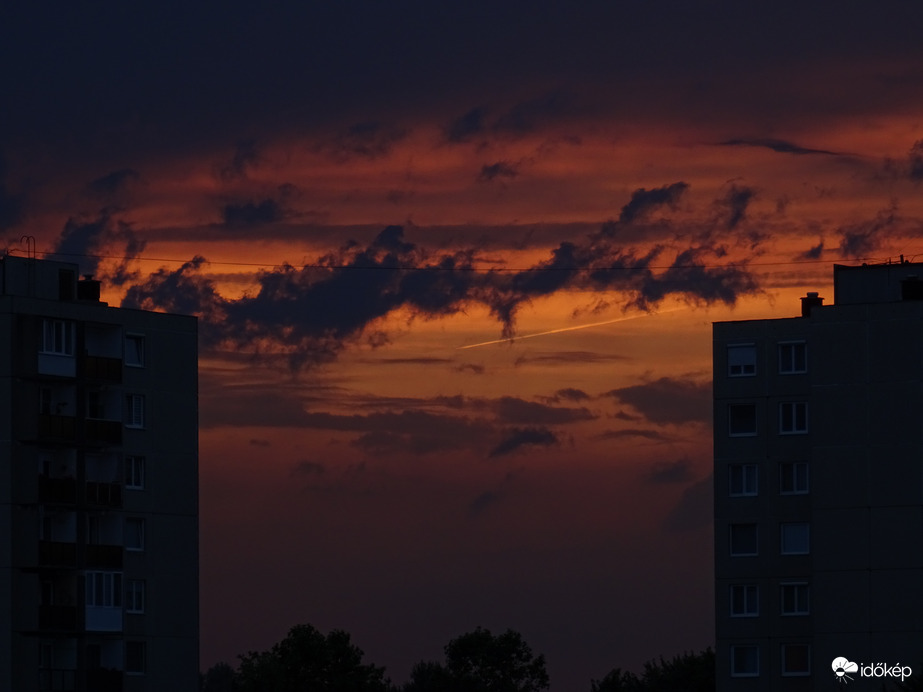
{"x":482,"y":662}
{"x":308,"y":660}
{"x":685,"y":673}
{"x":221,"y":677}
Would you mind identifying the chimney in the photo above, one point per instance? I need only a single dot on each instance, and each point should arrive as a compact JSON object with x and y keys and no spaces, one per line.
{"x":88,"y":288}
{"x":809,"y":302}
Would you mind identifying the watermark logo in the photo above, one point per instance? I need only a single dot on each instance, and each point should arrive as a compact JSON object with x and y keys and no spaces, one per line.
{"x":842,"y":667}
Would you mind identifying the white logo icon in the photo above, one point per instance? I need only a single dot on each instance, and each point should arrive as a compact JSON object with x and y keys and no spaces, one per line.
{"x":842,"y":666}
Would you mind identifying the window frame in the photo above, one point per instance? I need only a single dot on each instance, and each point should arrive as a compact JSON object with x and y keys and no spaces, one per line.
{"x":789,"y":419}
{"x":58,"y":337}
{"x":748,"y":472}
{"x":748,"y":595}
{"x":135,"y":596}
{"x":140,"y":533}
{"x":790,"y":367}
{"x":735,"y":673}
{"x":740,"y":432}
{"x":741,"y":364}
{"x":797,"y":489}
{"x":783,"y":549}
{"x":138,"y":340}
{"x":139,"y":655}
{"x":756,"y":540}
{"x":135,"y":406}
{"x":800,"y":597}
{"x":135,"y":471}
{"x":103,"y":589}
{"x":796,"y":673}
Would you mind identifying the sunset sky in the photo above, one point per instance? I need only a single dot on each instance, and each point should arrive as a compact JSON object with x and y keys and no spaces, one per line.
{"x":362,"y":201}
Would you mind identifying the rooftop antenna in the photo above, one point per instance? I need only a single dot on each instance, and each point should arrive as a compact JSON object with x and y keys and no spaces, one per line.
{"x":30,"y":245}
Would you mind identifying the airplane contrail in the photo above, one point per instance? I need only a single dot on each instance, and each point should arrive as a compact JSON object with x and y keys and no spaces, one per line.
{"x":568,"y":329}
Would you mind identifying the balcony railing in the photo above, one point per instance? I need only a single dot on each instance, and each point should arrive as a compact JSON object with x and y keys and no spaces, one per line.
{"x":57,"y":490}
{"x":104,"y":431}
{"x":54,"y":617}
{"x":102,"y":368}
{"x":57,"y":680}
{"x":104,"y":494}
{"x":57,"y":554}
{"x":104,"y":680}
{"x":51,"y":427}
{"x":106,"y":556}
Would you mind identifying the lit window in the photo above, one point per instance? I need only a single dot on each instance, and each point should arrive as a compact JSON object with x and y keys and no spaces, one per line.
{"x":745,"y":661}
{"x":134,"y":473}
{"x":58,"y":337}
{"x":741,"y":360}
{"x":793,"y":418}
{"x":135,"y":658}
{"x":134,"y":534}
{"x":796,"y":659}
{"x":793,"y":358}
{"x":104,"y":589}
{"x":793,"y":478}
{"x":745,"y":600}
{"x":795,"y":598}
{"x":134,"y":596}
{"x":744,"y":540}
{"x":742,"y":479}
{"x":134,"y":410}
{"x":134,"y":350}
{"x":796,"y":538}
{"x":742,"y":420}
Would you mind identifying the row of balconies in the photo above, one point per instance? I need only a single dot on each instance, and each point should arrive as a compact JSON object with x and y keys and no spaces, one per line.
{"x":65,"y":680}
{"x":53,"y":427}
{"x":64,"y":491}
{"x":64,"y":555}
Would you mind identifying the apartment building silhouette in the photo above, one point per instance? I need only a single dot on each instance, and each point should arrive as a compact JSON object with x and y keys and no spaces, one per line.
{"x":98,"y":488}
{"x":818,"y":441}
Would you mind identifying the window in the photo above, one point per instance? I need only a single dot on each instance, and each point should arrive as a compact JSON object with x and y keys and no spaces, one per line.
{"x":134,"y":473}
{"x":134,"y":350}
{"x":793,"y":478}
{"x":793,"y":418}
{"x":796,"y":539}
{"x":135,"y":658}
{"x":742,"y":479}
{"x":795,"y":598}
{"x":134,"y":534}
{"x":58,"y":337}
{"x":104,"y":589}
{"x":44,"y":401}
{"x":745,"y":661}
{"x":744,"y":540}
{"x":745,"y":600}
{"x":741,"y":420}
{"x":134,"y":596}
{"x":796,"y":659}
{"x":793,"y":358}
{"x":134,"y":410}
{"x":741,"y":360}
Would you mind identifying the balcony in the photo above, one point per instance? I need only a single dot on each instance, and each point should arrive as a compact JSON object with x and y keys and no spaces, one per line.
{"x":101,"y":368}
{"x":104,"y":556}
{"x":51,"y":427}
{"x":57,"y":680}
{"x":104,"y":432}
{"x":55,"y":617}
{"x":104,"y":680}
{"x":104,"y":494}
{"x":57,"y":554}
{"x":57,"y":490}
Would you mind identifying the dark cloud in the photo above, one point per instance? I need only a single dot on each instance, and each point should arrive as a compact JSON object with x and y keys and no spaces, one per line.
{"x":669,"y":400}
{"x":695,"y":508}
{"x":246,"y":157}
{"x":521,"y":412}
{"x":812,"y":253}
{"x":644,"y":201}
{"x":502,"y":170}
{"x":473,"y":368}
{"x":114,"y":184}
{"x":915,"y":162}
{"x":366,"y":140}
{"x":526,"y":116}
{"x":734,"y":205}
{"x":622,"y":415}
{"x":861,"y":239}
{"x":778,"y":145}
{"x":483,"y":501}
{"x":467,"y":126}
{"x":252,"y":213}
{"x":86,"y":240}
{"x":567,"y":358}
{"x":309,"y":468}
{"x":524,"y":437}
{"x":571,"y":394}
{"x":679,"y":471}
{"x":628,"y":433}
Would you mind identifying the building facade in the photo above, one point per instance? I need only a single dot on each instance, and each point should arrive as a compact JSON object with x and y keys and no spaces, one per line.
{"x":818,"y":440}
{"x":98,"y":488}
